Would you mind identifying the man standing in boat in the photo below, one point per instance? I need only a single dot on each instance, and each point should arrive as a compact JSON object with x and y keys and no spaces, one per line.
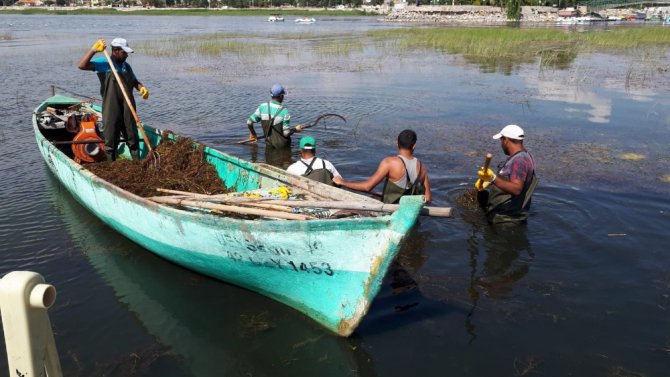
{"x":275,"y":119}
{"x":404,"y":174}
{"x":117,"y":118}
{"x":311,"y":166}
{"x":505,"y":197}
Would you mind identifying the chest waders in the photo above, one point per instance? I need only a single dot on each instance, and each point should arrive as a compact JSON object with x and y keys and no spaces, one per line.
{"x":274,"y":136}
{"x":322,"y":175}
{"x":391,"y":193}
{"x":501,"y":207}
{"x":117,"y":118}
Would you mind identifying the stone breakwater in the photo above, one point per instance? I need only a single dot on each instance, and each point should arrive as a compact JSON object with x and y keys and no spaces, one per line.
{"x":468,"y":14}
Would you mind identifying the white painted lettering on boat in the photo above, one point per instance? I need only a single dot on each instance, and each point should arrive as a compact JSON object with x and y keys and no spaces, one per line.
{"x":317,"y":268}
{"x":263,"y":249}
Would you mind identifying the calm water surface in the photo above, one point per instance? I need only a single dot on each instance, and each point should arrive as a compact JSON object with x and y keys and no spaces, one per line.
{"x":582,"y":290}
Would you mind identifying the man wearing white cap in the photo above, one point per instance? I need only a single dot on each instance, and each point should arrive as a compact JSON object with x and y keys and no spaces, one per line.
{"x":117,"y":118}
{"x":505,"y":196}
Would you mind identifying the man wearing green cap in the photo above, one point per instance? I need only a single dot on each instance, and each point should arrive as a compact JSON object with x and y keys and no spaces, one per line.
{"x":311,"y":166}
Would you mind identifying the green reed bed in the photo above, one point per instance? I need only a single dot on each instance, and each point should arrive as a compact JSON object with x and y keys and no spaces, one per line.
{"x":554,"y":47}
{"x":204,"y":45}
{"x":648,"y":37}
{"x":344,"y":47}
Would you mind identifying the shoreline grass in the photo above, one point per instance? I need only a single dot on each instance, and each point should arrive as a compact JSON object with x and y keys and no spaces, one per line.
{"x":491,"y":46}
{"x":512,"y":41}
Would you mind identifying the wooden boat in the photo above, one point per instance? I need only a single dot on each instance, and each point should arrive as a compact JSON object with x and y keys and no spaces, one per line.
{"x":329,"y":269}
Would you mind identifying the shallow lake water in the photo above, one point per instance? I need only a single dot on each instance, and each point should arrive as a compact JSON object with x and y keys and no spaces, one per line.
{"x":583,"y":289}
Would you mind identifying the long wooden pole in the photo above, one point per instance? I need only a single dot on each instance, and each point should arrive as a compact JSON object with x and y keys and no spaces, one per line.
{"x":228,"y":208}
{"x":349,"y":205}
{"x":130,"y":104}
{"x":487,"y":162}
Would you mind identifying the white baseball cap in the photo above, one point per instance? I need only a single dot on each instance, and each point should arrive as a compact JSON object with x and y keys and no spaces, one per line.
{"x":511,"y":131}
{"x":121,"y":43}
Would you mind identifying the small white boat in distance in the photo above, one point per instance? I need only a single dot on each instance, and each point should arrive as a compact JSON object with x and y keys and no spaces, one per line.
{"x":305,"y":20}
{"x":275,"y":18}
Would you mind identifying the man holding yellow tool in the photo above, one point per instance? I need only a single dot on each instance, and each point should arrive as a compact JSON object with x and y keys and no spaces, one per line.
{"x":505,"y":197}
{"x":117,"y":118}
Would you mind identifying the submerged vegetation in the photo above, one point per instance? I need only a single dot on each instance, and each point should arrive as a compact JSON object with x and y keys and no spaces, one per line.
{"x":203,"y":45}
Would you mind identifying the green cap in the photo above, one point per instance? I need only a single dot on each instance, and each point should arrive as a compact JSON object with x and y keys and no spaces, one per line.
{"x":307,"y":142}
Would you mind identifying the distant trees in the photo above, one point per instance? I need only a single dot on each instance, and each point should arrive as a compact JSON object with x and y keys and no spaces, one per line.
{"x":512,"y":6}
{"x":513,"y":10}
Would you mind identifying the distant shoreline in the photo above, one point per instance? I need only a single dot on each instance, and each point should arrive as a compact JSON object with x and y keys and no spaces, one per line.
{"x":468,"y":14}
{"x":404,"y":13}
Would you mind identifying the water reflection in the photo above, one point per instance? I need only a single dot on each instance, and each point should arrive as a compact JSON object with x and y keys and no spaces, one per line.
{"x":280,"y":157}
{"x":400,"y":302}
{"x":500,"y":255}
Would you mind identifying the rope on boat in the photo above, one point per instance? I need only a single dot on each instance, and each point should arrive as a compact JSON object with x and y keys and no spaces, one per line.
{"x":76,"y":94}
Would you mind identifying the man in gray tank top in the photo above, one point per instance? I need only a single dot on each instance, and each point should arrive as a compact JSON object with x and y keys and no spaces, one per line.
{"x":402,"y":174}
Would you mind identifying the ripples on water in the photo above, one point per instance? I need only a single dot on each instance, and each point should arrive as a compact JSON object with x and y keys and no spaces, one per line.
{"x":582,"y":289}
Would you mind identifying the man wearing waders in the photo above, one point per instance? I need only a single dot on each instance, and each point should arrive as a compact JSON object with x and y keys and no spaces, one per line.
{"x":404,"y":174}
{"x":311,"y":166}
{"x":505,"y":196}
{"x":117,"y":118}
{"x":275,"y":119}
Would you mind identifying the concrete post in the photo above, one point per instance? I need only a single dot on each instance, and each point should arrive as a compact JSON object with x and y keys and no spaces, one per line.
{"x":31,"y":349}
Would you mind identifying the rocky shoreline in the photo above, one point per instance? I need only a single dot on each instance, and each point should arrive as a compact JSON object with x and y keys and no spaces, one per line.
{"x":462,"y":14}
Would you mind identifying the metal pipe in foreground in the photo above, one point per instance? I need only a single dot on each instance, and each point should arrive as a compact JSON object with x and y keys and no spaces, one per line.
{"x":31,"y":349}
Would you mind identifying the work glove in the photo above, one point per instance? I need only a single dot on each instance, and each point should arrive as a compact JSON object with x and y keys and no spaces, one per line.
{"x":486,"y":175}
{"x":299,"y":127}
{"x":252,"y":138}
{"x":99,"y":45}
{"x":144,"y":92}
{"x":481,"y":185}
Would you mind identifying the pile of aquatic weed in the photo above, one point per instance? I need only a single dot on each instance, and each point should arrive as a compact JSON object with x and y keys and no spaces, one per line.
{"x":178,"y":165}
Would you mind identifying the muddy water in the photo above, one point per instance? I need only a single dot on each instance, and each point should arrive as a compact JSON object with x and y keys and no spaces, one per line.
{"x":583,"y":289}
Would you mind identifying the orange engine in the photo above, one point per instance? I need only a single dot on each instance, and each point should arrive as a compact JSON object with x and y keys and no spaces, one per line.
{"x":87,"y":145}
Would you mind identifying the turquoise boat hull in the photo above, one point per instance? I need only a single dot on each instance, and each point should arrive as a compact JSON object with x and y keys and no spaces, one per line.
{"x":328,"y":269}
